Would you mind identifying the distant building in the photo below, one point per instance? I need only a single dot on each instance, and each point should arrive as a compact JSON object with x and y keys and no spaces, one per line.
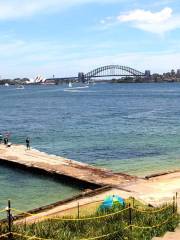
{"x":147,"y":76}
{"x":178,"y":73}
{"x":173,"y":72}
{"x":39,"y":79}
{"x":147,"y":73}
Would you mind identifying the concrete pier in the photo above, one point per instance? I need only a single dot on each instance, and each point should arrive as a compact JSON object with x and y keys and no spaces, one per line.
{"x":33,"y":159}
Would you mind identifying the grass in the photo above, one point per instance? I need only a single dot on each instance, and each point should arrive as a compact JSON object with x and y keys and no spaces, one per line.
{"x":91,"y":208}
{"x":76,"y":230}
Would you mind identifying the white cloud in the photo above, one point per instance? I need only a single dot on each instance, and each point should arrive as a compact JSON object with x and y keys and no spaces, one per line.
{"x":154,"y":22}
{"x":12,"y":9}
{"x":147,"y":17}
{"x":158,"y":22}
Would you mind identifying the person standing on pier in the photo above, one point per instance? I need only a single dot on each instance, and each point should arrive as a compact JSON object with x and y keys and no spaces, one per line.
{"x":1,"y":138}
{"x":5,"y":140}
{"x":28,"y":143}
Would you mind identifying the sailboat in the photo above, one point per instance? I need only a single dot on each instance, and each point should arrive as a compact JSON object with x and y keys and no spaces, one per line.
{"x":70,"y":85}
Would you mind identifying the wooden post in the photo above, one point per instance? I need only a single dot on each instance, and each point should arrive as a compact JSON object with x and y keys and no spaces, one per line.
{"x":176,"y":202}
{"x":78,"y":211}
{"x":9,"y":219}
{"x":173,"y":204}
{"x":130,"y":220}
{"x":133,"y":202}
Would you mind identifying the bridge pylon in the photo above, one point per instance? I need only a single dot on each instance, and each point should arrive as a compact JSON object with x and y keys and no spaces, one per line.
{"x":81,"y":77}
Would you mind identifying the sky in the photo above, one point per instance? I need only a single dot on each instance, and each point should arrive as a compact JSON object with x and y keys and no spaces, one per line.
{"x":64,"y":37}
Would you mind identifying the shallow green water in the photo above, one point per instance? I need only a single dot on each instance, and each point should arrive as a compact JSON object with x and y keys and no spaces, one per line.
{"x":27,"y":191}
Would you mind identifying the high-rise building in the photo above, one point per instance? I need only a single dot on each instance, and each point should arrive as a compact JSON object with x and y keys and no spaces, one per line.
{"x":173,"y":72}
{"x":178,"y":73}
{"x":147,"y":73}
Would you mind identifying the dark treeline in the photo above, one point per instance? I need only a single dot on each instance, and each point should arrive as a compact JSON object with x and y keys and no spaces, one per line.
{"x":14,"y":81}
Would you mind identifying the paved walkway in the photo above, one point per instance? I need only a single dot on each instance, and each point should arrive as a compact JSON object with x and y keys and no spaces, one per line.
{"x":157,"y":190}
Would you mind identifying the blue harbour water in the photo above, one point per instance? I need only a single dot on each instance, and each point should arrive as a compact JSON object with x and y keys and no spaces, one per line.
{"x":133,"y":128}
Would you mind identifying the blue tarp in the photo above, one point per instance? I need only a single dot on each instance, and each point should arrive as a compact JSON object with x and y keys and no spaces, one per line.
{"x":111,"y":201}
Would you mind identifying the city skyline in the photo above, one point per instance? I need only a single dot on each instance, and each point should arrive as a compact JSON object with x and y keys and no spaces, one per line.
{"x":59,"y":38}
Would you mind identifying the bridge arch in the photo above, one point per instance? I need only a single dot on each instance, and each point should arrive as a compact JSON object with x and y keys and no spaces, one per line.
{"x":113,"y":70}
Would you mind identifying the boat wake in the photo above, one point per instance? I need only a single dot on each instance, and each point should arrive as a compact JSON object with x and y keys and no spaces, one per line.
{"x":74,"y":89}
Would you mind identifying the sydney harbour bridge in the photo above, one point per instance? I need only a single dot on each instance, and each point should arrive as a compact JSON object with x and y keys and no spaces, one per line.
{"x":106,"y":71}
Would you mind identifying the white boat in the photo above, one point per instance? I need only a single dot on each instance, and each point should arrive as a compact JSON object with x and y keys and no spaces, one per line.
{"x":81,"y":87}
{"x":74,"y":89}
{"x":6,"y":84}
{"x":20,"y":87}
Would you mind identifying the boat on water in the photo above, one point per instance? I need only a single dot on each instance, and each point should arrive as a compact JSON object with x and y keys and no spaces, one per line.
{"x":74,"y":88}
{"x":71,"y":89}
{"x":80,"y":87}
{"x":6,"y":84}
{"x":20,"y":87}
